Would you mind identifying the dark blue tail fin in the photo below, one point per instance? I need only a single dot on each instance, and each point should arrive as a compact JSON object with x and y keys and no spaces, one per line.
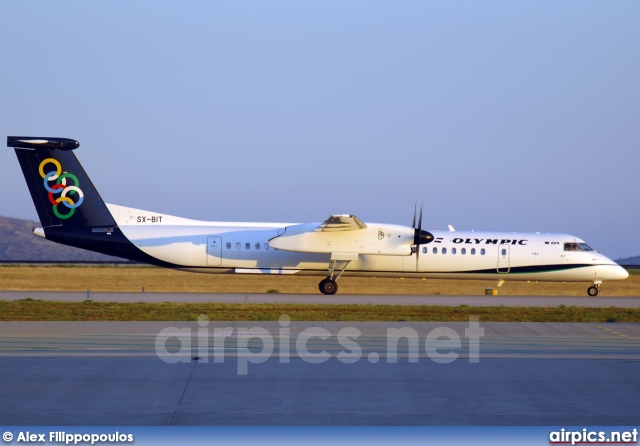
{"x":69,"y":206}
{"x":61,"y":190}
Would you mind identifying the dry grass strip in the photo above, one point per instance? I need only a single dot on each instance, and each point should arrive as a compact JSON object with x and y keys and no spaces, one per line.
{"x":134,"y":278}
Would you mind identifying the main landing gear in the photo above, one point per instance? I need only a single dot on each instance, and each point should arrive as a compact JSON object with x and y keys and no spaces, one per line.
{"x":329,"y":286}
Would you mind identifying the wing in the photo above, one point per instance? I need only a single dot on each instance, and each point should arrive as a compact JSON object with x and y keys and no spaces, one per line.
{"x":343,"y":222}
{"x":344,"y":237}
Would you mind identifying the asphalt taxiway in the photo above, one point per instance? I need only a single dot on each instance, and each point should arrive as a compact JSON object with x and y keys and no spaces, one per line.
{"x":320,"y":373}
{"x":362,"y":299}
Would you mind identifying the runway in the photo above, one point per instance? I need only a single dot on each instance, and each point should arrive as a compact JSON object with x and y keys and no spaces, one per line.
{"x":281,"y":373}
{"x":371,"y":299}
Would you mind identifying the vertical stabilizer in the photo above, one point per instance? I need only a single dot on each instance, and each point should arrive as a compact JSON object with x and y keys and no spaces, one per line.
{"x":69,"y":206}
{"x":60,"y":188}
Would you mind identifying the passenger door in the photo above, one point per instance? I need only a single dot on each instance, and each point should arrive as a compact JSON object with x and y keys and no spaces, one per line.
{"x":214,"y":251}
{"x":503,"y":258}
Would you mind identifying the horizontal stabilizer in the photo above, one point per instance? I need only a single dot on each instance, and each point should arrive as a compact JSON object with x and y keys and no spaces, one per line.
{"x":33,"y":142}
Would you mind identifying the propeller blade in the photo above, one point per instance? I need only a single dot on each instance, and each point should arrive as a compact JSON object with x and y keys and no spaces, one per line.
{"x":420,"y":237}
{"x":417,"y":229}
{"x":417,"y":235}
{"x":415,"y":211}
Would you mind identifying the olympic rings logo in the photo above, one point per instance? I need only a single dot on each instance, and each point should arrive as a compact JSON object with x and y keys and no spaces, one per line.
{"x":66,"y":191}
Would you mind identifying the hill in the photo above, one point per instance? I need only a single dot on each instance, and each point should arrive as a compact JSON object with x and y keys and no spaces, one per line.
{"x":17,"y":243}
{"x":629,"y":261}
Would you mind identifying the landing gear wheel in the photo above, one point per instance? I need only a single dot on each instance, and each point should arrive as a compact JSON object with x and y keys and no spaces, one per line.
{"x":328,"y":286}
{"x":593,"y":291}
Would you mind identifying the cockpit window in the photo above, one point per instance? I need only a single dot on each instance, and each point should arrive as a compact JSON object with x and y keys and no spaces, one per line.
{"x":577,"y":247}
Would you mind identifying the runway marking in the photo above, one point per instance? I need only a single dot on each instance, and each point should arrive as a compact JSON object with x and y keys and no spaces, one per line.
{"x":29,"y":348}
{"x":615,"y":333}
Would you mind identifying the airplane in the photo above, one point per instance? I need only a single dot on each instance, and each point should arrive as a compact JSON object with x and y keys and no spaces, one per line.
{"x":72,"y":212}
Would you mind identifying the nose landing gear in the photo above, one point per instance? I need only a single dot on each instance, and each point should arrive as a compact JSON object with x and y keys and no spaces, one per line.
{"x":595,"y":289}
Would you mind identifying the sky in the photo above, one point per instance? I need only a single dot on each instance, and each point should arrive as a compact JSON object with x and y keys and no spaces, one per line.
{"x":497,"y":115}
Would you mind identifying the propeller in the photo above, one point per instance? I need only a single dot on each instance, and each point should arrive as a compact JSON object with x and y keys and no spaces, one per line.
{"x":420,"y":237}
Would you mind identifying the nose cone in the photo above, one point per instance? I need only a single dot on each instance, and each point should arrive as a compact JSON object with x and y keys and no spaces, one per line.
{"x":621,"y":273}
{"x":614,"y":272}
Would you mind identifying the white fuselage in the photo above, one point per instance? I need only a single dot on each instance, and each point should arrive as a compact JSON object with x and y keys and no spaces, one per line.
{"x":382,"y":250}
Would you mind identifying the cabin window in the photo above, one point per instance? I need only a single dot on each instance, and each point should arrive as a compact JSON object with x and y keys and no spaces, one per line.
{"x":463,"y":251}
{"x":444,"y":250}
{"x":504,"y":252}
{"x":266,"y":246}
{"x":238,"y":245}
{"x":247,"y":246}
{"x":424,"y":250}
{"x":228,"y":245}
{"x":482,"y":252}
{"x":257,"y":245}
{"x":453,"y":250}
{"x":435,"y":250}
{"x":473,"y":251}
